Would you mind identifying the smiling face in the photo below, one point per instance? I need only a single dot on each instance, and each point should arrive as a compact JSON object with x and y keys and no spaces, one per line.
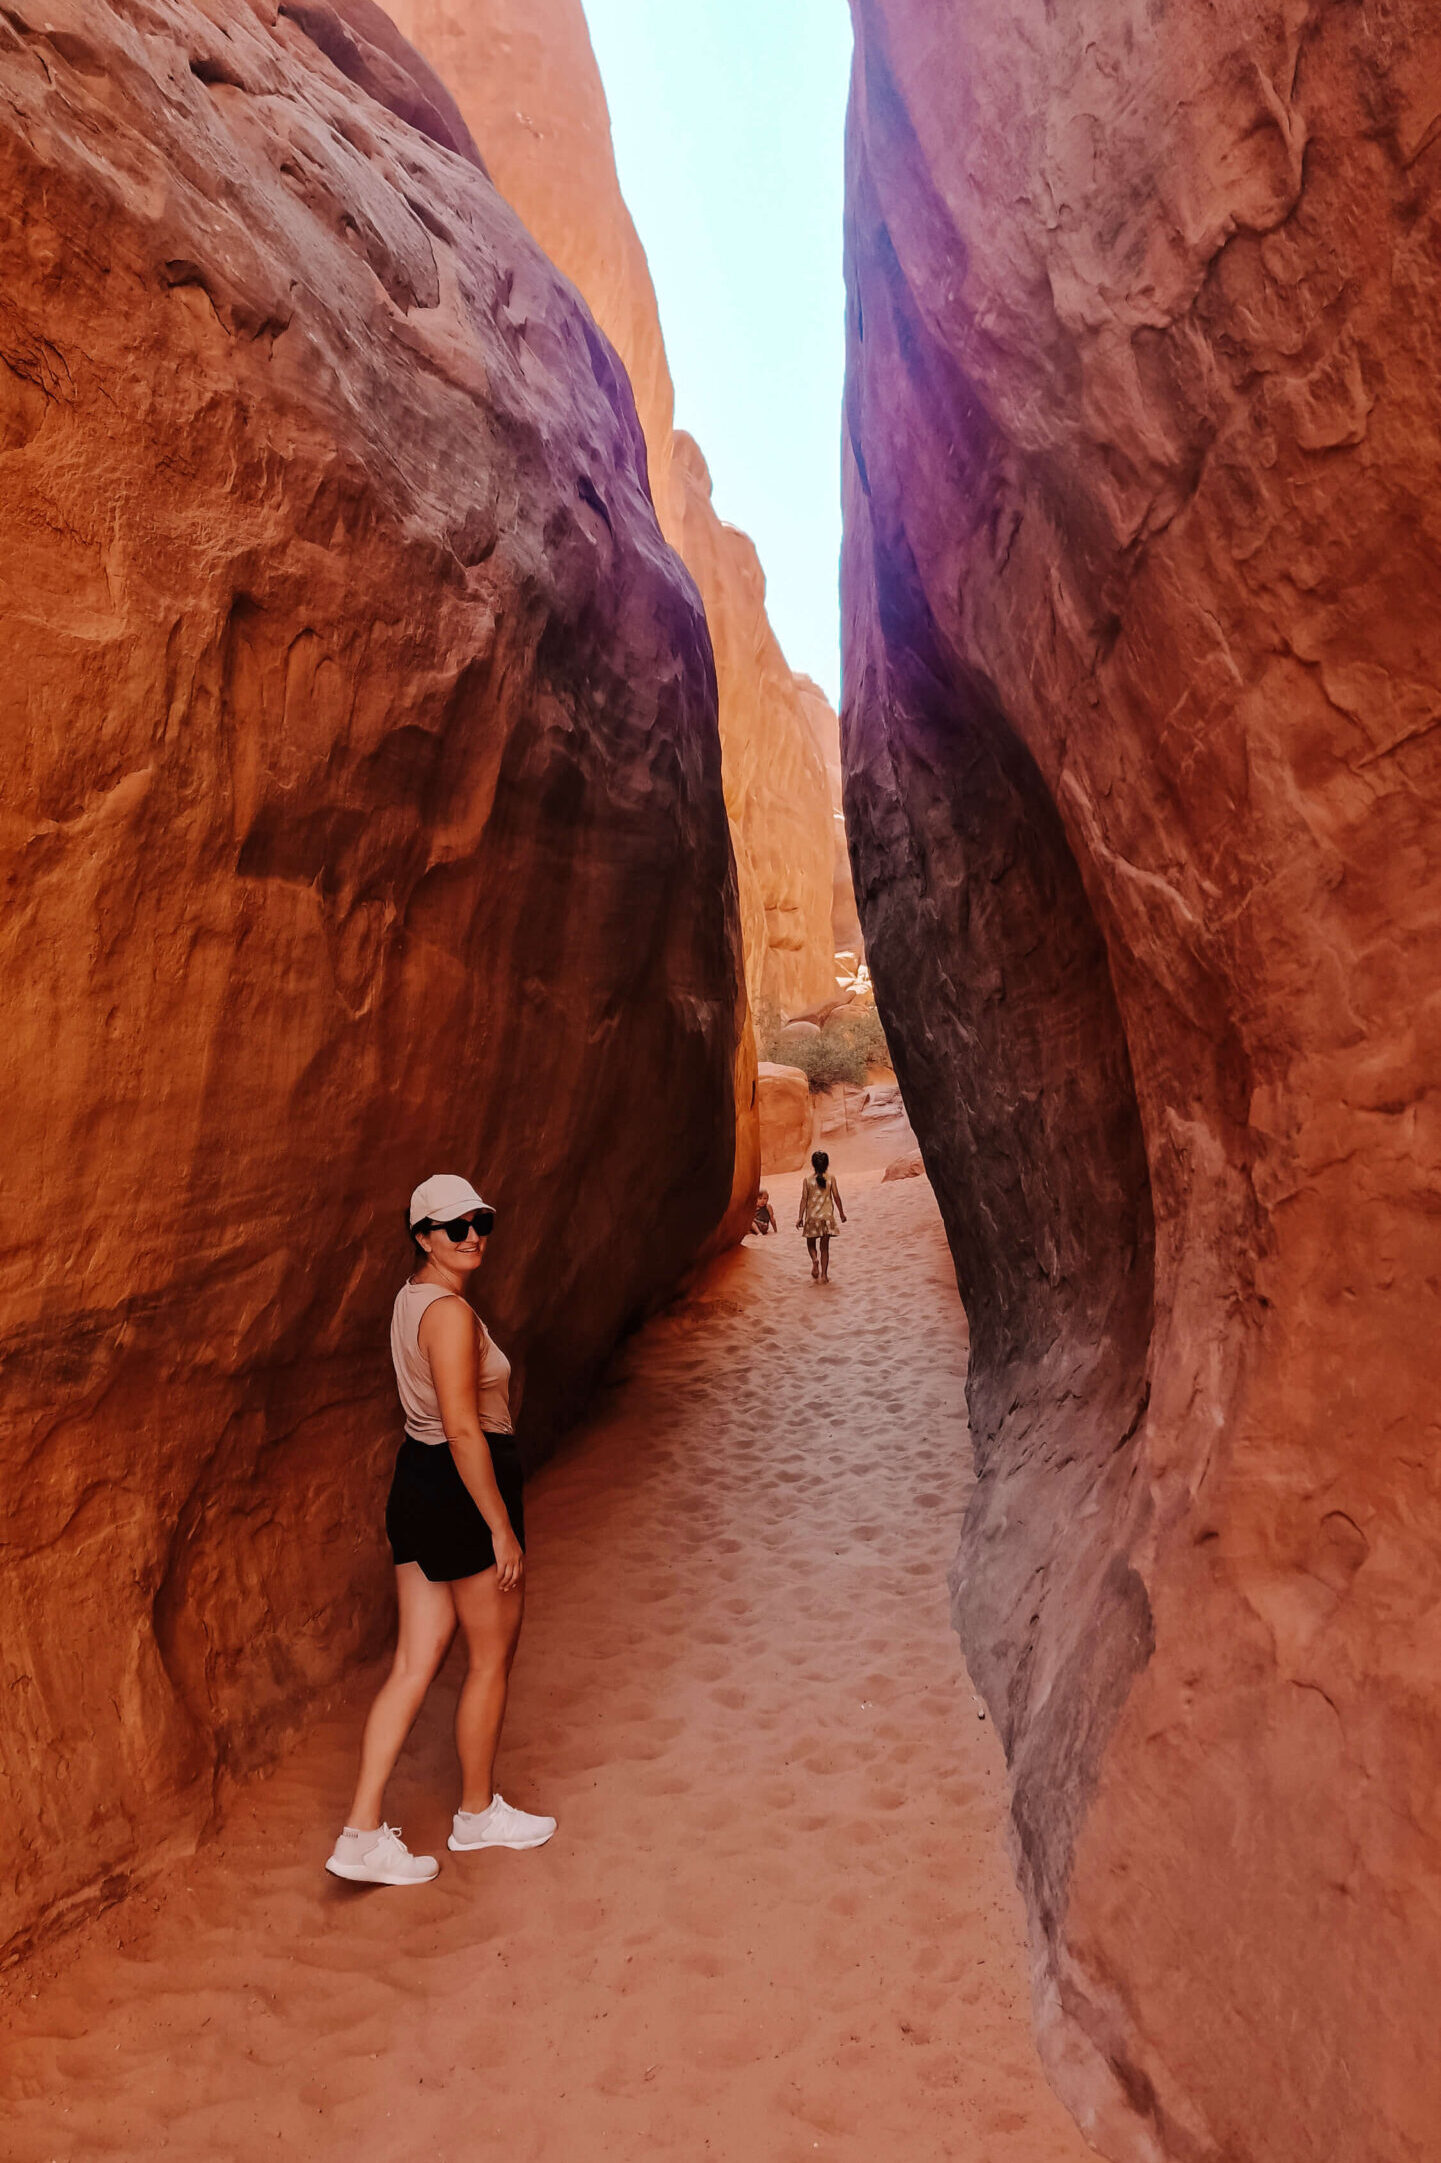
{"x":462,"y":1256}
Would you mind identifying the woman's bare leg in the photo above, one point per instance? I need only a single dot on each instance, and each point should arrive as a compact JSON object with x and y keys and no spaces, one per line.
{"x":427,"y":1624}
{"x":825,"y":1257}
{"x":815,"y":1257}
{"x":491,"y":1621}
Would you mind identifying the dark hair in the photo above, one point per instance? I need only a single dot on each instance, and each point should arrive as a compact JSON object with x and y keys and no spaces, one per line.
{"x":412,"y":1232}
{"x":819,"y":1162}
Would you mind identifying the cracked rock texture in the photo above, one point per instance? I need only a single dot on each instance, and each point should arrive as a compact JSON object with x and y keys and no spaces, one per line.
{"x":1142,"y":729}
{"x":525,"y":77}
{"x":362,"y":815}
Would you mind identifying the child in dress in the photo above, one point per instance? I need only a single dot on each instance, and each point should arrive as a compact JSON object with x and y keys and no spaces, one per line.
{"x":821,"y":1206}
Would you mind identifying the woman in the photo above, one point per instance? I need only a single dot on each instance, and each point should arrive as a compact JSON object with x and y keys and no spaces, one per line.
{"x":821,"y":1204}
{"x":458,"y":1539}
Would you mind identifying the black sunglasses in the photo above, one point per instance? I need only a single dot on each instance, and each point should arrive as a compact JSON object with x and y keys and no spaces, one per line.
{"x":458,"y":1229}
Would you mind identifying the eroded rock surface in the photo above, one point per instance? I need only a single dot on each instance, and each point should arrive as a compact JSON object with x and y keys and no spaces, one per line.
{"x":846,"y":934}
{"x":525,"y":77}
{"x":1143,"y":677}
{"x":787,"y":1117}
{"x":363,"y":816}
{"x":777,"y":792}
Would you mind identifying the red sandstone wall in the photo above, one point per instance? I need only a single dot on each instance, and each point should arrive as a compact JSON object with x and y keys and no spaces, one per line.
{"x":825,"y":733}
{"x":362,"y":815}
{"x":776,"y":786}
{"x":1143,"y":678}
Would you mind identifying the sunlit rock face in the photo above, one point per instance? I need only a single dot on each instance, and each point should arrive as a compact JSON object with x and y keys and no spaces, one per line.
{"x":825,"y":732}
{"x":525,"y":77}
{"x":777,"y":790}
{"x":363,"y":817}
{"x":787,"y":1112}
{"x":1143,"y":675}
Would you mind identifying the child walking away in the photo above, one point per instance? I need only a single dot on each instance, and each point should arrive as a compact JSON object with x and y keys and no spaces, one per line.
{"x":821,"y":1205}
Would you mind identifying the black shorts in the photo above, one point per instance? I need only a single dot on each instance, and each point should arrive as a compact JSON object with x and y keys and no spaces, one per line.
{"x":431,"y":1517}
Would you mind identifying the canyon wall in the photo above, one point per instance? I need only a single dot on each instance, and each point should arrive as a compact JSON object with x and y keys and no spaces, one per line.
{"x":825,"y":734}
{"x":525,"y":77}
{"x":1142,"y":729}
{"x":363,"y":816}
{"x":777,"y":791}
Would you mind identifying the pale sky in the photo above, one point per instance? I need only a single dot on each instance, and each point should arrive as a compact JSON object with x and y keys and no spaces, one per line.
{"x":729,"y":124}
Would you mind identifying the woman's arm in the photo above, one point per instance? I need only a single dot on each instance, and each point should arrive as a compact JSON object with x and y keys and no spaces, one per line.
{"x":447,"y":1338}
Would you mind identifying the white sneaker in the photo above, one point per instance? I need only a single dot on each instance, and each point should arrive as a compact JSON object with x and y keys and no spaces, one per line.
{"x":380,"y":1858}
{"x":498,"y":1826}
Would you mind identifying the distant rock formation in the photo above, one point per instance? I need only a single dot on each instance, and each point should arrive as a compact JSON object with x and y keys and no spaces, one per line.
{"x":1142,"y":728}
{"x":787,"y":1116}
{"x":777,"y":791}
{"x":846,"y":934}
{"x":525,"y":77}
{"x":362,"y":816}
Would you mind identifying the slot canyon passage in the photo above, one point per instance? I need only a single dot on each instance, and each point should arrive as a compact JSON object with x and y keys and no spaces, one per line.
{"x":776,"y":1921}
{"x":401,"y":766}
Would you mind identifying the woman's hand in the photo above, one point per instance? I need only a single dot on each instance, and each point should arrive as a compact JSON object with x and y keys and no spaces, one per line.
{"x":448,"y":1340}
{"x":509,"y":1560}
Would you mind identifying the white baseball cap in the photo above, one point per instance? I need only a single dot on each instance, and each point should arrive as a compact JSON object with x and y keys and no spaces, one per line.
{"x":443,"y":1196}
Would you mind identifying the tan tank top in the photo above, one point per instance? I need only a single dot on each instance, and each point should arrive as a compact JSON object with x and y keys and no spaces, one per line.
{"x":415,"y":1382}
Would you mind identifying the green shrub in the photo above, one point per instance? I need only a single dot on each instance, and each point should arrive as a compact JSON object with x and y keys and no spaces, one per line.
{"x":844,"y":1050}
{"x":859,"y":1026}
{"x":825,"y":1060}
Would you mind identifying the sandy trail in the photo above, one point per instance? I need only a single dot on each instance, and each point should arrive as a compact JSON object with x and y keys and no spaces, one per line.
{"x":776,"y":1924}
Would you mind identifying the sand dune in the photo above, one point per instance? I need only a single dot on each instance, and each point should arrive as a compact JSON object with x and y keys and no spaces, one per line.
{"x":776,"y":1923}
